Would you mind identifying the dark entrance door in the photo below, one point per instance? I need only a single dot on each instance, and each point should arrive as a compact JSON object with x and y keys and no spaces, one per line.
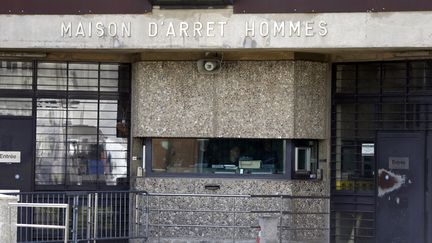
{"x":16,"y":140}
{"x":400,"y":187}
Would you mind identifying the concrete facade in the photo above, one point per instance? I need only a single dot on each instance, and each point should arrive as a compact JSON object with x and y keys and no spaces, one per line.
{"x":295,"y":219}
{"x":247,"y":99}
{"x":8,"y":219}
{"x":328,"y":31}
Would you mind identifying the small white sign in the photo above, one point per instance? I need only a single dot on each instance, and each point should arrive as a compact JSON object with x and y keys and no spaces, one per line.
{"x":10,"y":157}
{"x":399,"y":163}
{"x":368,"y":149}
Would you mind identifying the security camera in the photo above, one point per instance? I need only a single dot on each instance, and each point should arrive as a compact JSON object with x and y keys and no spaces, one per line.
{"x":209,"y":66}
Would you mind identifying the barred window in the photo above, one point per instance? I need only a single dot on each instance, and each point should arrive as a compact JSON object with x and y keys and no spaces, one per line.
{"x":82,"y":134}
{"x":82,"y":117}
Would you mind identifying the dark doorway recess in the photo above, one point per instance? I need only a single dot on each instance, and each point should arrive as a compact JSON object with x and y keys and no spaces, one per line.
{"x":381,"y":124}
{"x":16,"y":139}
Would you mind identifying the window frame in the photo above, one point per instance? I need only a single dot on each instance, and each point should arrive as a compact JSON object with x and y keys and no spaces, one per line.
{"x":34,"y":94}
{"x":309,"y":173}
{"x":287,"y":175}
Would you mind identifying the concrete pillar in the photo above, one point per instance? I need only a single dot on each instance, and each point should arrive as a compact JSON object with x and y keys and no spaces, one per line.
{"x":8,"y":219}
{"x":269,"y":229}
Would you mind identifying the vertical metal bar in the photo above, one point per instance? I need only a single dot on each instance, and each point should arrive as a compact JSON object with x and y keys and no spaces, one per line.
{"x":83,"y":210}
{"x":75,"y":219}
{"x":147,"y":216}
{"x":116,"y":214}
{"x":95,"y":217}
{"x":120,"y":215}
{"x":125,"y":217}
{"x":111,"y":215}
{"x":89,"y":198}
{"x":66,"y":224}
{"x":58,"y":217}
{"x":159,"y":217}
{"x":280,"y":218}
{"x":102,"y":223}
{"x":66,"y":126}
{"x":26,"y":218}
{"x":106,"y":214}
{"x":98,"y":151}
{"x":136,"y":228}
{"x":235,"y":229}
{"x":37,"y":230}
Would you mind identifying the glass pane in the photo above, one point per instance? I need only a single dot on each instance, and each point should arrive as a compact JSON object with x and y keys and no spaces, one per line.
{"x":52,"y":76}
{"x":109,"y":77}
{"x":15,"y":106}
{"x":218,"y":156}
{"x":420,"y":75}
{"x":83,"y":76}
{"x":394,"y":77}
{"x":368,"y":78}
{"x":86,"y":159}
{"x":301,"y":159}
{"x":366,"y":123}
{"x":393,"y":116}
{"x":50,"y":141}
{"x":114,"y":139}
{"x":16,"y":75}
{"x":345,"y":78}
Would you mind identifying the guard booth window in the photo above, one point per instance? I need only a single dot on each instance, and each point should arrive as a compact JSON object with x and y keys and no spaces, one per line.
{"x":82,"y":113}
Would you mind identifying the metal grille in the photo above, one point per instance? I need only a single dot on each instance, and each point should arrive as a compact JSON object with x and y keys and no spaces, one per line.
{"x":82,"y":117}
{"x":366,"y":98}
{"x":82,"y":133}
{"x":92,"y":216}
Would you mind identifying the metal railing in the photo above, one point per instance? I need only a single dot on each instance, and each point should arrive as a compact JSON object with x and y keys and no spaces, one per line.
{"x":92,"y":216}
{"x":123,"y":215}
{"x":64,"y":226}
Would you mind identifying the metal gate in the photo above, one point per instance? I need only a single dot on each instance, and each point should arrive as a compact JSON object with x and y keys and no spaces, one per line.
{"x":94,"y":216}
{"x":368,"y":98}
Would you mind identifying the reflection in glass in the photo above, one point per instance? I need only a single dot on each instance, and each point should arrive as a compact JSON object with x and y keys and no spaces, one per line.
{"x":83,"y":76}
{"x":50,"y":141}
{"x":218,"y":156}
{"x":116,"y":145}
{"x":15,"y":75}
{"x":82,"y":139}
{"x":15,"y":106}
{"x":52,"y":76}
{"x":92,"y":154}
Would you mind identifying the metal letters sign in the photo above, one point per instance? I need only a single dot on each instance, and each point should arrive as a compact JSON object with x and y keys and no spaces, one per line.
{"x":398,"y":163}
{"x":10,"y":157}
